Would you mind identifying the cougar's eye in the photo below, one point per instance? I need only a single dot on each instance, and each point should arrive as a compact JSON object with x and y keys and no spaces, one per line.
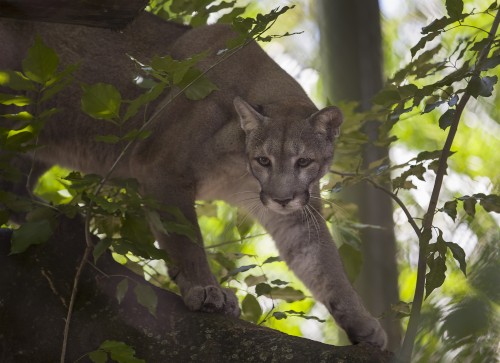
{"x":262,"y":160}
{"x":303,"y":162}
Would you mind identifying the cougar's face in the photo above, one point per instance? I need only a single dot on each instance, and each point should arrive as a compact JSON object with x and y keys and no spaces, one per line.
{"x":288,"y":155}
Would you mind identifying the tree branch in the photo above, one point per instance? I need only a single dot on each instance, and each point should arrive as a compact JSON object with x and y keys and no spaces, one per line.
{"x":31,"y":312}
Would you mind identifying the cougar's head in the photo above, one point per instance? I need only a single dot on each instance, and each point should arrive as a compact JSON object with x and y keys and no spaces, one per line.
{"x":288,"y":152}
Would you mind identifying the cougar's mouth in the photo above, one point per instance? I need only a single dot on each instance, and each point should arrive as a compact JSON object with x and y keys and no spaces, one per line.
{"x":284,"y":205}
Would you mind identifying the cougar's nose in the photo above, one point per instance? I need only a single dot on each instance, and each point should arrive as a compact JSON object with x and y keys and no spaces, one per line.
{"x":282,"y":202}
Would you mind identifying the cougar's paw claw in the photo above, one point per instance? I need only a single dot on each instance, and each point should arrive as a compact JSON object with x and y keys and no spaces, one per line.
{"x":368,"y":330}
{"x":212,"y":299}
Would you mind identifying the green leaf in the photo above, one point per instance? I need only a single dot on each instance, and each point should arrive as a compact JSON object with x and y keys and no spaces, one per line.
{"x":441,"y":23}
{"x":262,"y":289}
{"x":59,"y":82}
{"x":15,"y":81}
{"x":279,"y":282}
{"x":101,"y":101}
{"x":20,"y":116}
{"x":493,"y":5}
{"x":16,"y":100}
{"x":272,"y":259}
{"x":101,"y":247}
{"x":491,"y":203}
{"x":301,"y":314}
{"x":120,"y":352}
{"x":143,"y":100}
{"x":244,"y":225}
{"x":489,"y":63}
{"x":470,"y":206}
{"x":137,"y":134}
{"x":279,"y":315}
{"x":121,"y":290}
{"x":454,"y":8}
{"x":481,"y":86}
{"x":182,"y":229}
{"x":450,"y":208}
{"x":108,"y":139}
{"x":200,"y":88}
{"x":446,"y":118}
{"x":421,"y":43}
{"x":30,"y":233}
{"x":387,"y":97}
{"x":146,"y":297}
{"x":98,"y":356}
{"x":414,"y":170}
{"x":41,"y":62}
{"x":453,"y":100}
{"x":434,"y":166}
{"x":136,"y":229}
{"x":252,"y":280}
{"x":231,"y":16}
{"x":458,"y":255}
{"x":429,"y":155}
{"x":436,"y":275}
{"x":17,"y":138}
{"x":237,"y":270}
{"x":252,"y":311}
{"x":431,"y":104}
{"x":288,"y":293}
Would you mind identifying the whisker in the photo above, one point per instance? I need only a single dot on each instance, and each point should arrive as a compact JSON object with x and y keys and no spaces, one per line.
{"x":304,"y":215}
{"x":249,"y":212}
{"x":313,"y":220}
{"x":319,"y":214}
{"x":339,"y":209}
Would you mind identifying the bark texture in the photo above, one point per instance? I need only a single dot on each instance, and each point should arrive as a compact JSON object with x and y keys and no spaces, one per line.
{"x":113,"y":14}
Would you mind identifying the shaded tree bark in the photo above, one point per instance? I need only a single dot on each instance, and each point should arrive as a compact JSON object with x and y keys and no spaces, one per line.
{"x":34,"y":293}
{"x":352,"y":57}
{"x":113,"y":14}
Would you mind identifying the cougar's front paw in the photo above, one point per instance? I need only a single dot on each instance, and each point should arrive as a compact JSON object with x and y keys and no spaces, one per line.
{"x":366,"y":329}
{"x":212,"y":299}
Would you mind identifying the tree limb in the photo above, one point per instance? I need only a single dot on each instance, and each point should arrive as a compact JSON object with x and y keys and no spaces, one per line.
{"x":35,"y":287}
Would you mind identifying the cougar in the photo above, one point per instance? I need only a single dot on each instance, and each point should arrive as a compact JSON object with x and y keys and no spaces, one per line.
{"x":258,"y":142}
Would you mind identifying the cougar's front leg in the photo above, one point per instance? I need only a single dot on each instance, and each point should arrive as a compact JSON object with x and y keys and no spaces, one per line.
{"x":190,"y":271}
{"x":304,"y":242}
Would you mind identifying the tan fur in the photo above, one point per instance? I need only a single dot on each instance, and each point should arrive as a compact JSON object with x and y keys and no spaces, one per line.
{"x":216,"y":148}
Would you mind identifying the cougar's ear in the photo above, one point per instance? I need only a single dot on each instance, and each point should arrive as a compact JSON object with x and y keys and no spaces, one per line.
{"x":249,"y":118}
{"x":327,"y":122}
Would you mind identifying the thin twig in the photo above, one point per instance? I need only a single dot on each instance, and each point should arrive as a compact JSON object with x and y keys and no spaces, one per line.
{"x":411,"y":220}
{"x":411,"y":332}
{"x":235,"y":241}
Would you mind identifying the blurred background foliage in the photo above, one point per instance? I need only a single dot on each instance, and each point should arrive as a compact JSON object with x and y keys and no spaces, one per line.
{"x":460,"y":319}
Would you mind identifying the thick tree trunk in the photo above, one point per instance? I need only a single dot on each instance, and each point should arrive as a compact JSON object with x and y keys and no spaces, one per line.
{"x":113,"y":14}
{"x":34,"y":292}
{"x":352,"y":55}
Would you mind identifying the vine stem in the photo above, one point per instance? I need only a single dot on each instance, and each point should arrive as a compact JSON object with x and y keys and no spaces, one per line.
{"x":411,"y":332}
